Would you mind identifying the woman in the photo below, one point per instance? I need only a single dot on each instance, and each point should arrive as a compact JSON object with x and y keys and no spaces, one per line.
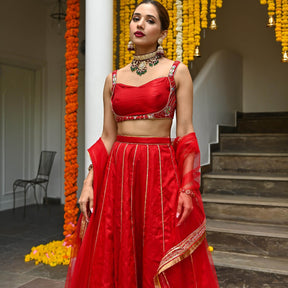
{"x":146,"y":220}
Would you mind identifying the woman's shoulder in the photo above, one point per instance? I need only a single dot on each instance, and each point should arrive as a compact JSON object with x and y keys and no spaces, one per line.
{"x":180,"y":65}
{"x":182,"y":69}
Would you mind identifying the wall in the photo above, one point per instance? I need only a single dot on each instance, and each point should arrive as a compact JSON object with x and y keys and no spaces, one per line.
{"x":54,"y":127}
{"x":242,"y":28}
{"x":22,"y":53}
{"x":220,"y":78}
{"x":28,"y":40}
{"x":22,"y":29}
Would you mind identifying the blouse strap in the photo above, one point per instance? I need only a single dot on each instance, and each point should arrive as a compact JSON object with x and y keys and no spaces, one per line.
{"x":172,"y":72}
{"x":114,"y":80}
{"x":114,"y":77}
{"x":173,"y":68}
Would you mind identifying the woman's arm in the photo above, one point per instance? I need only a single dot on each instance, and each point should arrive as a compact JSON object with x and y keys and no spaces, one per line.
{"x":184,"y":110}
{"x":109,"y":133}
{"x":108,"y":137}
{"x":184,"y":126}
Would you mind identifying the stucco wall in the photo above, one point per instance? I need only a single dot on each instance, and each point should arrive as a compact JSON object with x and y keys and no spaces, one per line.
{"x":242,"y":28}
{"x":28,"y":40}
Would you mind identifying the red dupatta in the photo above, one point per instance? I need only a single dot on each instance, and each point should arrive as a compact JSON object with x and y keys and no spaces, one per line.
{"x":99,"y":156}
{"x":192,"y":233}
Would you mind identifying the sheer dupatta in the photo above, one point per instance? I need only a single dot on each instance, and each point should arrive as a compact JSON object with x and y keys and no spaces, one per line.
{"x":99,"y":157}
{"x":191,"y":248}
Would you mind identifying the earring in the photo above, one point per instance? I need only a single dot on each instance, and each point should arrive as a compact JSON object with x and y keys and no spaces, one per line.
{"x":160,"y":50}
{"x":130,"y":46}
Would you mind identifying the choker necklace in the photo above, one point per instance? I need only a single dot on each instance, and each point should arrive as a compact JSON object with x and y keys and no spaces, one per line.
{"x":139,"y":63}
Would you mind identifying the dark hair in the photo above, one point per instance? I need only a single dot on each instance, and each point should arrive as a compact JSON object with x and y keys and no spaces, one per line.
{"x":162,"y":12}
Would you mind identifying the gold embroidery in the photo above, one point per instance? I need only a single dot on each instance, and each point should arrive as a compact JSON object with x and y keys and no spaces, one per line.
{"x":100,"y":217}
{"x":132,"y":223}
{"x":174,"y":166}
{"x":141,"y":143}
{"x":83,"y":227}
{"x":191,"y":258}
{"x":146,"y":189}
{"x":166,"y":279}
{"x":181,"y":251}
{"x":122,"y":184}
{"x":163,"y":228}
{"x":117,"y":152}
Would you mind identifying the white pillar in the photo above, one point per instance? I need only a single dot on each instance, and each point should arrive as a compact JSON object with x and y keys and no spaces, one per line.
{"x":98,"y":64}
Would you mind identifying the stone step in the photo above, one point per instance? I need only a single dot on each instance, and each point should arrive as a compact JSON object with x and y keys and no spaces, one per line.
{"x":261,"y":123}
{"x":233,"y":142}
{"x":265,"y":185}
{"x":247,"y":209}
{"x":250,"y":162}
{"x":248,"y":238}
{"x":235,"y":270}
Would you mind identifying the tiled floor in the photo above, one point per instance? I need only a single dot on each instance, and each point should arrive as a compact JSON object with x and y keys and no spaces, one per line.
{"x":18,"y":234}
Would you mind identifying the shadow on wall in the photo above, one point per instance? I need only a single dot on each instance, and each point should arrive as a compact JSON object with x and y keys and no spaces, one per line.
{"x":217,"y":97}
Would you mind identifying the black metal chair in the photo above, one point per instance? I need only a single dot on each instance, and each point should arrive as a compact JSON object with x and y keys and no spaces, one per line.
{"x":42,"y":178}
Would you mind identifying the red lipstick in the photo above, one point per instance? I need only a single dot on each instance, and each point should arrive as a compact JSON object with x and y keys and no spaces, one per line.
{"x":139,"y":34}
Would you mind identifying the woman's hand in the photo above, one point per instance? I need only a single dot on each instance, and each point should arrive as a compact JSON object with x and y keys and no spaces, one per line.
{"x":184,"y":208}
{"x":86,"y":198}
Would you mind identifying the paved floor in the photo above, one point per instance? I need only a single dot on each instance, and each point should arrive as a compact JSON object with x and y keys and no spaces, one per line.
{"x":18,"y":234}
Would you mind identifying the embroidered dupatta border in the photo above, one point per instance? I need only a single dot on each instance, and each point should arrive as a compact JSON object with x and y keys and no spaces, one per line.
{"x":181,"y":251}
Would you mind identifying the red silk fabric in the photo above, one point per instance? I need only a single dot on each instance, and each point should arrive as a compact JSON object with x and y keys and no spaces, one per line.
{"x":132,"y":240}
{"x":155,"y":99}
{"x":188,"y":160}
{"x":99,"y":156}
{"x":148,"y":98}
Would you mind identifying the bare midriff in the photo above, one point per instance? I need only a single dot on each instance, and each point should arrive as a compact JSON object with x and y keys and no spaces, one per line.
{"x":145,"y":128}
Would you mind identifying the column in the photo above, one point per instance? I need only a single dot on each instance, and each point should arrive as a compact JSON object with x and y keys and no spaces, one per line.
{"x":98,"y":64}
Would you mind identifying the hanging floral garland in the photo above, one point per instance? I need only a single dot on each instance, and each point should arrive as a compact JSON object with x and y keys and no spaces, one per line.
{"x":185,"y":32}
{"x":278,"y":13}
{"x":204,"y":13}
{"x":179,"y":36}
{"x":279,"y":9}
{"x":71,"y":125}
{"x":197,"y":26}
{"x":213,"y":9}
{"x":115,"y":15}
{"x":284,"y":31}
{"x":187,"y":19}
{"x":122,"y":20}
{"x":58,"y":252}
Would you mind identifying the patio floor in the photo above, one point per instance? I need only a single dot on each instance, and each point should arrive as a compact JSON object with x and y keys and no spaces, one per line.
{"x":18,"y":234}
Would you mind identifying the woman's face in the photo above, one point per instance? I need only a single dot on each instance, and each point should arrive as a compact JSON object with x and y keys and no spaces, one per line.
{"x":145,"y":27}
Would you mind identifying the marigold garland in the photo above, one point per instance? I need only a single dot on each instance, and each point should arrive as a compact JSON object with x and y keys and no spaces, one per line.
{"x":197,"y":26}
{"x":71,"y":125}
{"x":115,"y":15}
{"x":204,"y":13}
{"x":278,"y":13}
{"x":58,"y":252}
{"x":284,"y":27}
{"x":179,"y":36}
{"x":187,"y":18}
{"x":219,"y":3}
{"x":271,"y":8}
{"x":213,"y":9}
{"x":280,"y":9}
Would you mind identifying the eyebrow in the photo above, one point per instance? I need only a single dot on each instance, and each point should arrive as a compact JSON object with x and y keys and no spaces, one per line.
{"x":151,"y":16}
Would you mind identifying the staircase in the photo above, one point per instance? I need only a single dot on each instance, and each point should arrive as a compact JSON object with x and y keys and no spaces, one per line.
{"x":245,"y":196}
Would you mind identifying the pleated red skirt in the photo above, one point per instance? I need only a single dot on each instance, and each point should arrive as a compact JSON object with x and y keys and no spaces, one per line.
{"x":134,"y":225}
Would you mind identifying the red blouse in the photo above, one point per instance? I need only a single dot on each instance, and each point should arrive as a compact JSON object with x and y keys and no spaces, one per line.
{"x":155,"y":99}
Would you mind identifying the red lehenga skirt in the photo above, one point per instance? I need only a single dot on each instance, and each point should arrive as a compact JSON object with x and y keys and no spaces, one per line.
{"x":132,"y":239}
